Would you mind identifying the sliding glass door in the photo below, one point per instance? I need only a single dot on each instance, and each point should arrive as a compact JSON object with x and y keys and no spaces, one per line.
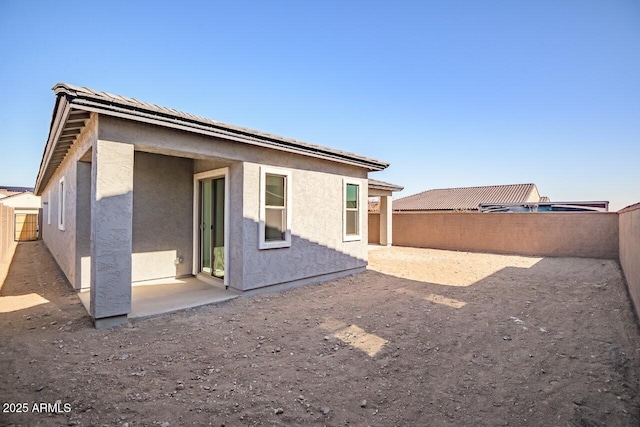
{"x":212,"y":227}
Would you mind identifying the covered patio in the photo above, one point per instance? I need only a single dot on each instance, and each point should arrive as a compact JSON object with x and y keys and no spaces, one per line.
{"x":155,"y":297}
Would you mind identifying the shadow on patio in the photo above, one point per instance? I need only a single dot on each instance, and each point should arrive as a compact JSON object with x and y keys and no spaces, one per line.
{"x":35,"y":287}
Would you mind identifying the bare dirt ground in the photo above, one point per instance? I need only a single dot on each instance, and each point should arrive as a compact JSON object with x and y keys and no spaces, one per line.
{"x":425,"y":337}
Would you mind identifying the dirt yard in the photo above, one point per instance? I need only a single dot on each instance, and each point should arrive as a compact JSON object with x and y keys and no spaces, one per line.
{"x":425,"y":337}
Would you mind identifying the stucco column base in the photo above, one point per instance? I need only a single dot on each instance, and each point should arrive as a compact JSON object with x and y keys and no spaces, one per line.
{"x":110,"y":322}
{"x":386,"y":220}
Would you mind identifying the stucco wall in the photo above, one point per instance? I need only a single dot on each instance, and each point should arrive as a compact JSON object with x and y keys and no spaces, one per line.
{"x":317,"y":246}
{"x":26,"y":201}
{"x":160,"y":140}
{"x":62,"y":244}
{"x":534,"y":196}
{"x":83,"y":226}
{"x":593,"y":235}
{"x":162,"y":216}
{"x":235,"y":263}
{"x":629,"y":222}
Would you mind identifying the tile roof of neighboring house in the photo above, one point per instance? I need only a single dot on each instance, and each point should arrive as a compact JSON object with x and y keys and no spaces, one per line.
{"x":73,"y":101}
{"x":464,"y":198}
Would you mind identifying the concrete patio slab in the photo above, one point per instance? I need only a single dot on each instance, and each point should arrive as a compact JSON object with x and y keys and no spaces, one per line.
{"x":152,"y":298}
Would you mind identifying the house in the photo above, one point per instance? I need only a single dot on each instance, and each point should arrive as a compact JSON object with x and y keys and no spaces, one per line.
{"x":26,"y":208}
{"x":545,"y":206}
{"x":467,"y":198}
{"x":11,"y":191}
{"x":135,"y":192}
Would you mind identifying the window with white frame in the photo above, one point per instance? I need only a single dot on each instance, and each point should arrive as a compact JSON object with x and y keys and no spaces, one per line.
{"x":275,"y":208}
{"x":351,"y":210}
{"x":49,"y":207}
{"x":62,"y":198}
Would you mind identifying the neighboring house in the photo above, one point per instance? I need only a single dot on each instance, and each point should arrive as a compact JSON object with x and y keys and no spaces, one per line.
{"x":10,"y":191}
{"x":378,"y":188}
{"x":545,"y":206}
{"x":135,"y":192}
{"x":26,"y":209}
{"x":467,"y":198}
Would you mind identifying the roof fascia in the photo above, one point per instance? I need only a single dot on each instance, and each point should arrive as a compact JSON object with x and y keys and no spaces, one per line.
{"x":63,"y":108}
{"x":178,"y":124}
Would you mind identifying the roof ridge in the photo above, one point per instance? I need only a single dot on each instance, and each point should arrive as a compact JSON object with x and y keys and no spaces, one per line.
{"x":465,"y":197}
{"x":482,"y":186}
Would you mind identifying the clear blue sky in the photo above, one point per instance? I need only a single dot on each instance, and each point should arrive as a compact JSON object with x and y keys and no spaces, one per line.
{"x":452,"y":93}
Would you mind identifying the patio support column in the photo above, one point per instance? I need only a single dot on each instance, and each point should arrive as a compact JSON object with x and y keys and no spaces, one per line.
{"x":386,"y":220}
{"x":111,"y":218}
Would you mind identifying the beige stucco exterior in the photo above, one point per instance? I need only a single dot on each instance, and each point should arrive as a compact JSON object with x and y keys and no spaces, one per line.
{"x":23,"y":203}
{"x":534,"y":196}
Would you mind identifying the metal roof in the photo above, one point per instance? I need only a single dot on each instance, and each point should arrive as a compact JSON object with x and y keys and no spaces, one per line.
{"x":74,"y":103}
{"x":464,"y":198}
{"x":381,"y":185}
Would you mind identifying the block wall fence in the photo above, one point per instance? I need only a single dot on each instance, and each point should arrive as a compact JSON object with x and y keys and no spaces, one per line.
{"x":607,"y":235}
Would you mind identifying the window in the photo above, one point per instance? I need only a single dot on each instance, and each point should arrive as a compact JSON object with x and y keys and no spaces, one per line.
{"x":49,"y":207}
{"x":275,"y":208}
{"x":351,"y":213}
{"x":61,"y":203}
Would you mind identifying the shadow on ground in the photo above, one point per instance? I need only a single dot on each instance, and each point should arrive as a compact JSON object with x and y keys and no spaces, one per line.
{"x":554,"y":343}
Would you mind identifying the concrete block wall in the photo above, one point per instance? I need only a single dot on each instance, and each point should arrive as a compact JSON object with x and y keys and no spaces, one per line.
{"x":629,"y":223}
{"x":587,"y":235}
{"x":374,"y":227}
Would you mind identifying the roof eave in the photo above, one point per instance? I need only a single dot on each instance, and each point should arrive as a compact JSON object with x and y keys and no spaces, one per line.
{"x":61,"y":110}
{"x":85,"y":100}
{"x":70,"y":97}
{"x":179,"y":124}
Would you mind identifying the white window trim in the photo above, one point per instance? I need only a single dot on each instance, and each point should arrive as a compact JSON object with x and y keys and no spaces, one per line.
{"x":62,"y":189}
{"x":49,"y":207}
{"x":286,"y":243}
{"x":351,"y":237}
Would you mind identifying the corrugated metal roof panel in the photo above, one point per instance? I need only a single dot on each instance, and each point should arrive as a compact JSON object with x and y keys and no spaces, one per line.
{"x":464,"y":198}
